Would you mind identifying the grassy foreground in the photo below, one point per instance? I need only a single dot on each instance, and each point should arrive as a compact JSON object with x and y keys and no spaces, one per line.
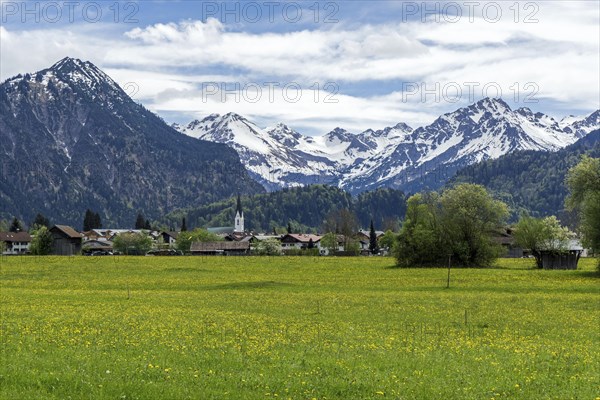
{"x":300,"y":328}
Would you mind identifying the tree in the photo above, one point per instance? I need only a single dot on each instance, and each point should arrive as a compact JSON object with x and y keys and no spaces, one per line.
{"x":419,"y":241}
{"x":15,"y":225}
{"x":352,"y":246}
{"x":458,"y":223}
{"x":373,"y":245}
{"x":140,"y":221}
{"x":91,"y":220}
{"x":183,"y":225}
{"x":87,"y":220}
{"x":343,"y":222}
{"x":329,"y":241}
{"x":132,"y":243}
{"x":289,"y":227}
{"x":97,"y":221}
{"x":311,"y":244}
{"x":539,"y":234}
{"x":41,"y":244}
{"x":469,"y":217}
{"x":583,"y":181}
{"x":387,"y":240}
{"x":40,"y":220}
{"x":147,"y":225}
{"x":268,"y":247}
{"x":185,"y":239}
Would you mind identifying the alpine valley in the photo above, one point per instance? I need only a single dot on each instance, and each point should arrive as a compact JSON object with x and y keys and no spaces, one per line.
{"x":71,"y":139}
{"x":398,"y":157}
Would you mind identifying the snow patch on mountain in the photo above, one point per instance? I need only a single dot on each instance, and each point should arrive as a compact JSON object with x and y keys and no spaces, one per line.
{"x":396,"y":156}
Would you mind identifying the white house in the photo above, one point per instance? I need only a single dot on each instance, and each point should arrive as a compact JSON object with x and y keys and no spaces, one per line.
{"x":15,"y":242}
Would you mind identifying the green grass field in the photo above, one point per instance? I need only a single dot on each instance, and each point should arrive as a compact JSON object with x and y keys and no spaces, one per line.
{"x":299,"y":328}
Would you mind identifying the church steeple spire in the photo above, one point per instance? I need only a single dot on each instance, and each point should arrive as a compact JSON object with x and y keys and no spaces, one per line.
{"x":239,"y":216}
{"x":238,"y":208}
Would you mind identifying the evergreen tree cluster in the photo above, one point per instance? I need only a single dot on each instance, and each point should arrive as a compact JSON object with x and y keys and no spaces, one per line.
{"x":91,"y":221}
{"x":142,"y":223}
{"x":15,"y":225}
{"x":302,"y":209}
{"x":531,"y":181}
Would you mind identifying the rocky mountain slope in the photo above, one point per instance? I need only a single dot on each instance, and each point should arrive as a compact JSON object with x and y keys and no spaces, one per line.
{"x":397,"y":157}
{"x":71,"y":139}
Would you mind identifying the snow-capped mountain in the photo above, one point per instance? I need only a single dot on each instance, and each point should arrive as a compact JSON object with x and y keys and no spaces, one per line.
{"x":398,"y":156}
{"x":481,"y":131}
{"x":281,"y":157}
{"x":581,"y":126}
{"x":71,"y":139}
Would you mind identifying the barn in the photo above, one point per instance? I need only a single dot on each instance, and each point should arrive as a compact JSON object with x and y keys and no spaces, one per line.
{"x":66,"y":241}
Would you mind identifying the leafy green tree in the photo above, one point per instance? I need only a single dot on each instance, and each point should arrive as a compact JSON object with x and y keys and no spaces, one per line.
{"x":329,"y":241}
{"x":40,"y":220}
{"x":469,"y":216}
{"x":185,"y":239}
{"x":132,"y":243}
{"x":539,"y":234}
{"x":419,"y":242}
{"x":388,"y":240}
{"x":458,"y":223}
{"x":268,"y":247}
{"x":352,"y":246}
{"x":15,"y":225}
{"x":41,"y":244}
{"x":583,"y":181}
{"x":373,"y":245}
{"x":343,"y":222}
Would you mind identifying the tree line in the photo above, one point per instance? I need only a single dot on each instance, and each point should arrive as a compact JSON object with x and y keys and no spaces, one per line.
{"x":458,"y":225}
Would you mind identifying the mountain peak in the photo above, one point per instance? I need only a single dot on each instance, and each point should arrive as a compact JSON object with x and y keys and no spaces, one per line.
{"x":403,"y":127}
{"x":338,"y":131}
{"x":233,"y":117}
{"x":71,"y":65}
{"x":76,"y":70}
{"x":493,"y":103}
{"x":68,"y":63}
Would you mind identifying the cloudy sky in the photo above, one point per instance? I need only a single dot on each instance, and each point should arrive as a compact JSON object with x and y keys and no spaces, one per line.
{"x":316,"y":66}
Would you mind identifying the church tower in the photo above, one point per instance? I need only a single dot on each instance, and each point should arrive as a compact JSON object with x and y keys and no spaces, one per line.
{"x":239,"y":217}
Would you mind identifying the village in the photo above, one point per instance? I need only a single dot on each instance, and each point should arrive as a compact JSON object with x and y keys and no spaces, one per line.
{"x":68,"y":242}
{"x":229,"y":241}
{"x":237,"y":241}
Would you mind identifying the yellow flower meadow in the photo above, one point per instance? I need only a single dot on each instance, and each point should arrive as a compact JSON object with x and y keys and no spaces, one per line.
{"x":294,"y":328}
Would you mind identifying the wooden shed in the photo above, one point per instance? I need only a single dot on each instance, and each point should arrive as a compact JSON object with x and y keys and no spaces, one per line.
{"x":66,"y":241}
{"x":220,"y":248}
{"x":567,"y":259}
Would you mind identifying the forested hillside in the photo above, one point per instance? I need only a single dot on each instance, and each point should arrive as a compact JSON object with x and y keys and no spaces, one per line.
{"x":532,"y":181}
{"x":71,"y":139}
{"x":305,"y":208}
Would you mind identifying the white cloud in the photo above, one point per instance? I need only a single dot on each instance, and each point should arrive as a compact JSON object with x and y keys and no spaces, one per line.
{"x":169,"y":62}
